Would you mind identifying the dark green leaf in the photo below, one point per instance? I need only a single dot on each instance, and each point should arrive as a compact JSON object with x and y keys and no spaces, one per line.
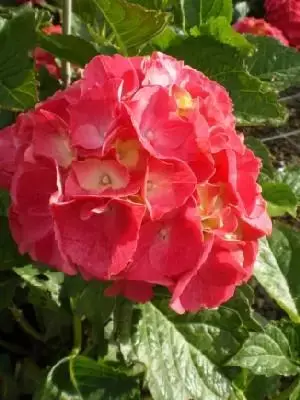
{"x":273,"y":62}
{"x":6,"y":118}
{"x":17,"y":80}
{"x":241,"y":303}
{"x":9,"y":255}
{"x":261,"y":151}
{"x":255,"y":103}
{"x":178,"y":364}
{"x":261,"y":387}
{"x":131,"y":24}
{"x":68,"y":47}
{"x":7,"y":290}
{"x":266,"y":353}
{"x":101,"y":381}
{"x":280,"y":198}
{"x":4,"y":201}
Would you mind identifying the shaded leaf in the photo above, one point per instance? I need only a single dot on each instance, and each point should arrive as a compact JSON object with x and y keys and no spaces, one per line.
{"x":261,"y":151}
{"x":101,"y":381}
{"x":68,"y":47}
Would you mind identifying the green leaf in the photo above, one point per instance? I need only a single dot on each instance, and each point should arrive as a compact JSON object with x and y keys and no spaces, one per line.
{"x":276,"y":269}
{"x":196,"y":13}
{"x":241,"y":303}
{"x":9,"y":255}
{"x":290,"y":175}
{"x":7,"y":290}
{"x":255,"y":102}
{"x":266,"y":353}
{"x":4,"y":201}
{"x":44,"y":279}
{"x":91,"y":303}
{"x":176,"y":351}
{"x":280,"y":198}
{"x":68,"y":47}
{"x":273,"y":62}
{"x":100,"y":380}
{"x":17,"y":78}
{"x":6,"y":118}
{"x":261,"y":151}
{"x":223,"y":32}
{"x":132,"y":24}
{"x":58,"y":384}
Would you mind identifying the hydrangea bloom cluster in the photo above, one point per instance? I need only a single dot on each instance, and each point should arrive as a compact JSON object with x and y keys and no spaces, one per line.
{"x":260,"y":27}
{"x":136,"y":174}
{"x":285,"y":15}
{"x":43,"y":58}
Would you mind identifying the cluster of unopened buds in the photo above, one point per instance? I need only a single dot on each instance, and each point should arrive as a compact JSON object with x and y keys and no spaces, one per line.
{"x":136,"y":175}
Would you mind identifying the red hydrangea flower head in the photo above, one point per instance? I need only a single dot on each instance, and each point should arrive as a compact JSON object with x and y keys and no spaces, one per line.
{"x":136,"y":174}
{"x":285,"y":15}
{"x":43,"y":58}
{"x":260,"y":27}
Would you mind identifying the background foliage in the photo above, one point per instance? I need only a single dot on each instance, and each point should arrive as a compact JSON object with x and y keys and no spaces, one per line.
{"x":59,"y":336}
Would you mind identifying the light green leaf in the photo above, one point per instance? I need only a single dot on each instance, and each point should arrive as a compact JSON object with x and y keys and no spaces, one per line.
{"x":17,"y":79}
{"x":196,"y":13}
{"x":276,"y":269}
{"x":223,"y":32}
{"x":48,"y":281}
{"x":176,"y":351}
{"x":261,"y":151}
{"x":255,"y":102}
{"x":280,"y":198}
{"x":266,"y":353}
{"x":273,"y":62}
{"x":132,"y":24}
{"x":290,"y":175}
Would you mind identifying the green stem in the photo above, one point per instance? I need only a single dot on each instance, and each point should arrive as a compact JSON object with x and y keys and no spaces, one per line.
{"x":67,"y":28}
{"x":12,"y":347}
{"x":77,"y":331}
{"x":24,"y":324}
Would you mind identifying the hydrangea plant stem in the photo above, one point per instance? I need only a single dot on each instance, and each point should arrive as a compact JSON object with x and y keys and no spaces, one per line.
{"x":24,"y":324}
{"x":67,"y":27}
{"x":77,"y":330}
